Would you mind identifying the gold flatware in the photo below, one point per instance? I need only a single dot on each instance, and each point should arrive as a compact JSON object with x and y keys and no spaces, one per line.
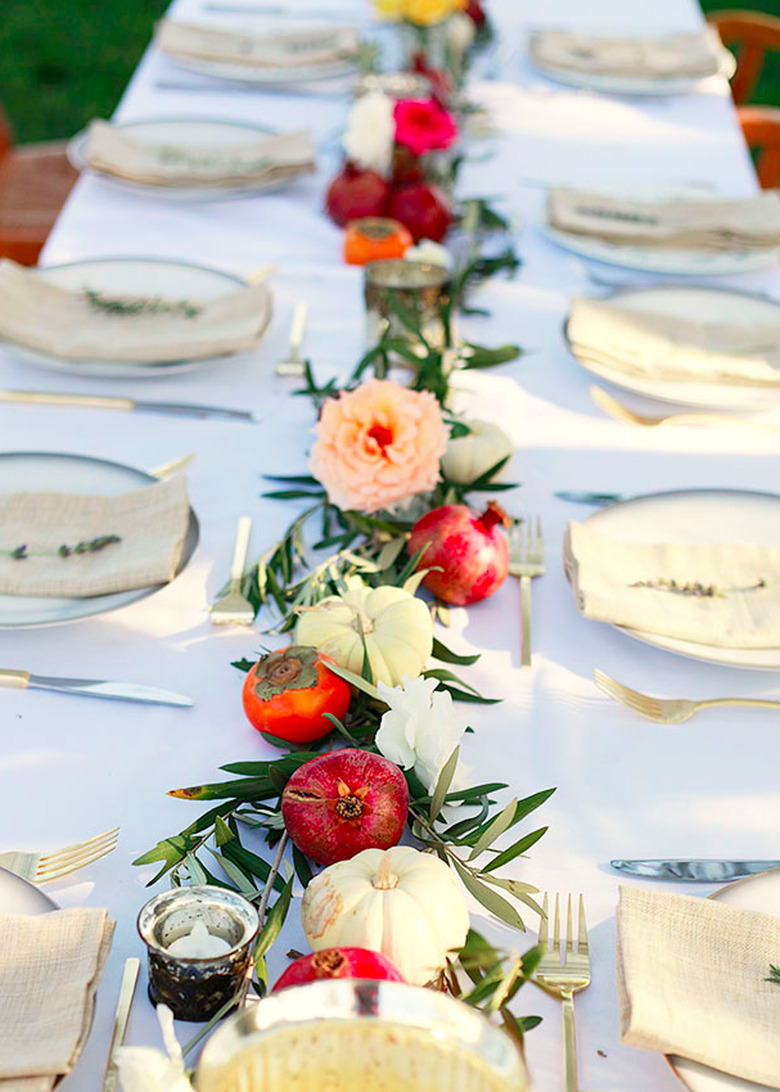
{"x":565,"y":974}
{"x":668,"y":710}
{"x":126,"y":993}
{"x":526,"y":560}
{"x":234,"y":608}
{"x":292,"y":364}
{"x":174,"y":467}
{"x":107,"y":402}
{"x":42,"y":867}
{"x":620,"y":412}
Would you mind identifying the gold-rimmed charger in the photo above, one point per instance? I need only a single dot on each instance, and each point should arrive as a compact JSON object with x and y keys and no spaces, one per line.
{"x":758,"y":893}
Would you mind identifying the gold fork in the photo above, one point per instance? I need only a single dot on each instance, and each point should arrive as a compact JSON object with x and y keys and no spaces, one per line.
{"x":620,"y":412}
{"x":668,"y":710}
{"x":292,"y":364}
{"x":526,"y":560}
{"x":43,"y":867}
{"x":565,"y":974}
{"x":234,"y":607}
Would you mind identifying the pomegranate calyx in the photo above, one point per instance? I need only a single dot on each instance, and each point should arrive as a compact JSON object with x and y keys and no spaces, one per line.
{"x":492,"y":515}
{"x":293,"y":668}
{"x":328,"y":964}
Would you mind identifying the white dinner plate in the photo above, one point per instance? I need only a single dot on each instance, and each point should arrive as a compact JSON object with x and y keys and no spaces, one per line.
{"x":697,"y":515}
{"x":635,"y":85}
{"x":700,"y":304}
{"x":197,"y":132}
{"x":238,"y":73}
{"x":39,"y":472}
{"x":759,"y":893}
{"x":18,"y":896}
{"x":132,"y":277}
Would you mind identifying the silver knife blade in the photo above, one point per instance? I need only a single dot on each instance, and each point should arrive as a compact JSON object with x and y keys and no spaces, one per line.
{"x":584,"y":497}
{"x":115,"y":691}
{"x":191,"y":409}
{"x":701,"y":870}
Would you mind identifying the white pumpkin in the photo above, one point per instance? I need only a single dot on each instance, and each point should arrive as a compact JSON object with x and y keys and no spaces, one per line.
{"x":396,"y":626}
{"x":469,"y":457}
{"x":401,"y":902}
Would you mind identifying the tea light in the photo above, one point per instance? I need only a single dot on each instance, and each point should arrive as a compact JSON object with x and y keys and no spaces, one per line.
{"x":341,"y":1034}
{"x":421,"y":288}
{"x":199,"y":943}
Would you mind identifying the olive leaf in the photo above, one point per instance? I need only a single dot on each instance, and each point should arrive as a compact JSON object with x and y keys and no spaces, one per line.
{"x":443,"y":783}
{"x":495,"y":829}
{"x":489,"y":898}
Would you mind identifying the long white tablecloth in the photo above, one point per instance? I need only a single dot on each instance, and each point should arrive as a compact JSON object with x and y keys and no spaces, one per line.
{"x":626,"y":787}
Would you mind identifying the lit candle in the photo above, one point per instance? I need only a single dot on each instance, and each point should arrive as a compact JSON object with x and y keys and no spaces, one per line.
{"x":199,"y":944}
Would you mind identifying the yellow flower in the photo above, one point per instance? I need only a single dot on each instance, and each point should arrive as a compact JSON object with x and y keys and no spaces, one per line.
{"x":428,"y":12}
{"x":389,"y":9}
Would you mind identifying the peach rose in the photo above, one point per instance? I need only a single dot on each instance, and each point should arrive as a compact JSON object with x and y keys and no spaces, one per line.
{"x":378,"y":445}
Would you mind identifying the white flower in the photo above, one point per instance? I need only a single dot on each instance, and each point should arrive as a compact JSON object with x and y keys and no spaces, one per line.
{"x":370,"y":135}
{"x":144,"y":1069}
{"x":428,"y":251}
{"x":421,"y":729}
{"x":461,"y":32}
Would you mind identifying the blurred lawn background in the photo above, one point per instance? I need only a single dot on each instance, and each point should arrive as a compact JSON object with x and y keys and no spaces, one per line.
{"x":64,"y":62}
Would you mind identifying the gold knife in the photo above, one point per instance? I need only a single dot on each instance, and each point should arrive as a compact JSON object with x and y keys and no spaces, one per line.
{"x":126,"y":992}
{"x":100,"y":401}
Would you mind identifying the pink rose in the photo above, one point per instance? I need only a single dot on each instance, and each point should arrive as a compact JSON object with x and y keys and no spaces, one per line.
{"x":378,"y":445}
{"x":423,"y":126}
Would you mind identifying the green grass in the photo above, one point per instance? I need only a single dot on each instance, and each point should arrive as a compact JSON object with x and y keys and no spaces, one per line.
{"x":67,"y":61}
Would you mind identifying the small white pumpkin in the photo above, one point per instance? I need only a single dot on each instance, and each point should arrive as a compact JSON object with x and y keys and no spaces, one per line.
{"x":401,"y":902}
{"x":396,"y":626}
{"x":469,"y":457}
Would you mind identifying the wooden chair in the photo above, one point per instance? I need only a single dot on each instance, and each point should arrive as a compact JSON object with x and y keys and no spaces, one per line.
{"x":761,"y":127}
{"x":753,"y":33}
{"x":35,"y":179}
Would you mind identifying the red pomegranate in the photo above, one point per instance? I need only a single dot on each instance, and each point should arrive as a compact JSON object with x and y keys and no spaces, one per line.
{"x":340,"y":803}
{"x":355,"y":193}
{"x":470,"y":550}
{"x":423,"y":209}
{"x":406,"y":167}
{"x":338,"y":963}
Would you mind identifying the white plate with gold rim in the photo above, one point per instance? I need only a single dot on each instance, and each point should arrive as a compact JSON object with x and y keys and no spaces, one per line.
{"x":127,"y":276}
{"x":702,"y":304}
{"x":697,"y":515}
{"x":18,"y":896}
{"x":201,"y":133}
{"x":760,"y":893}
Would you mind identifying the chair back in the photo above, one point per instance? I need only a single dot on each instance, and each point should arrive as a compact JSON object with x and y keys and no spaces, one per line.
{"x":761,"y":127}
{"x":753,"y":33}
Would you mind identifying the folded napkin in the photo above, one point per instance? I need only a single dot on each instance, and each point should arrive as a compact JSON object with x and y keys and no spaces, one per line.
{"x":91,"y":325}
{"x":50,"y":968}
{"x":750,"y":223}
{"x":725,"y":594}
{"x":291,"y":49}
{"x":260,"y":163}
{"x":668,"y":57}
{"x":150,"y":523}
{"x":668,"y":347}
{"x":691,"y":976}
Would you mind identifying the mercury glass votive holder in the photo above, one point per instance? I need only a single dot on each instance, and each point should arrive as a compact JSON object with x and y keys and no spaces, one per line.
{"x":421,"y":289}
{"x":195,"y":987}
{"x":398,"y":85}
{"x":342,"y":1035}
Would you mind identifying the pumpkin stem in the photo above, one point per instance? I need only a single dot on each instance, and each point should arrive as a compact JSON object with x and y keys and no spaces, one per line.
{"x":385,"y":879}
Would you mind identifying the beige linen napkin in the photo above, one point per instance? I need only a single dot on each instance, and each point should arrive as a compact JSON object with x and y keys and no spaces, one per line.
{"x":725,"y":594}
{"x":690,"y":975}
{"x":668,"y":347}
{"x":85,"y":325}
{"x":716,"y":224}
{"x":668,"y":57}
{"x":50,"y":968}
{"x":293,"y":49}
{"x":151,"y":524}
{"x":260,"y":163}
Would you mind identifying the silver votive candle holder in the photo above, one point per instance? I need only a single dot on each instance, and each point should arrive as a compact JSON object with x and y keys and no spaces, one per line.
{"x":419,"y":289}
{"x":195,"y":987}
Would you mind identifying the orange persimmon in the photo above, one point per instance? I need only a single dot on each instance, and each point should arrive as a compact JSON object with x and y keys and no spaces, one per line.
{"x":287,"y":694}
{"x":375,"y":239}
